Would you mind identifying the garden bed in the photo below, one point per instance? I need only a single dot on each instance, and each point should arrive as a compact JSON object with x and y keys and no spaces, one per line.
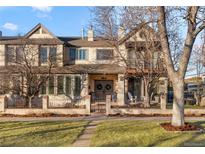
{"x":186,"y":127}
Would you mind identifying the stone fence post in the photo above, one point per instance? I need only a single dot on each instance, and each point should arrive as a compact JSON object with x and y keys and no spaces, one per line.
{"x":2,"y":103}
{"x":108,"y":104}
{"x":163,"y":101}
{"x":163,"y":90}
{"x":87,"y":104}
{"x":45,"y":100}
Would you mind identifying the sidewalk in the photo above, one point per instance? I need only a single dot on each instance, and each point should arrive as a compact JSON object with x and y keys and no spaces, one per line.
{"x":93,"y":118}
{"x":85,"y":139}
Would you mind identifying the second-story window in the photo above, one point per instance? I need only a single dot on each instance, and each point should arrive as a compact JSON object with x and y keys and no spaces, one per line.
{"x":48,"y":53}
{"x":78,"y":54}
{"x":72,"y":53}
{"x":81,"y":54}
{"x":14,"y":54}
{"x":104,"y":54}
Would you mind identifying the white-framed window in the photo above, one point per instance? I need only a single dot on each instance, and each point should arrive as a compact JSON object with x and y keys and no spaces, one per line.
{"x":48,"y":53}
{"x":78,"y":54}
{"x":69,"y":85}
{"x":51,"y":85}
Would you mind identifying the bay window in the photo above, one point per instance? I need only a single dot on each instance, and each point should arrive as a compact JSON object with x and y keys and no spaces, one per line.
{"x":68,"y":86}
{"x":60,"y":81}
{"x":77,"y":88}
{"x":51,"y":85}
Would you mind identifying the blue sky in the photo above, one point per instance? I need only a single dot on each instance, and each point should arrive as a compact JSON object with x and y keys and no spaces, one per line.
{"x":62,"y":21}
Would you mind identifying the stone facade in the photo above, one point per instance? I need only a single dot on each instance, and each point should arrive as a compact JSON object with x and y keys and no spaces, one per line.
{"x":100,"y":81}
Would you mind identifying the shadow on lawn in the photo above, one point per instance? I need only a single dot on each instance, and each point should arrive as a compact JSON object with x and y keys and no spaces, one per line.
{"x":190,"y":142}
{"x":24,"y":125}
{"x":33,"y":134}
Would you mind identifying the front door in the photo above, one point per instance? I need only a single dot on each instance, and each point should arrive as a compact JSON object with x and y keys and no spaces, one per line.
{"x":103,"y":88}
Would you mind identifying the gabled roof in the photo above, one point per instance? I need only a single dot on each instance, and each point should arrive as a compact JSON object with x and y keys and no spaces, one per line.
{"x":79,"y":42}
{"x":38,"y":26}
{"x":25,"y":39}
{"x":135,"y":30}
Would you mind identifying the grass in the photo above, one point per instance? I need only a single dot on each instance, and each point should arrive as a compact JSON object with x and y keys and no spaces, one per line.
{"x":143,"y":133}
{"x":35,"y":134}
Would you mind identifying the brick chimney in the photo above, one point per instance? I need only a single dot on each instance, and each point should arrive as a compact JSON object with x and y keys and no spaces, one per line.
{"x":90,"y":34}
{"x":121,"y":32}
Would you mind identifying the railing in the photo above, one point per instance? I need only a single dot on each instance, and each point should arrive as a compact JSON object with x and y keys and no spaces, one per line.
{"x":95,"y":98}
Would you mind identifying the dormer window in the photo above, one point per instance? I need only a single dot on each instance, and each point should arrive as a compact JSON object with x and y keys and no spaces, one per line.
{"x":78,"y":54}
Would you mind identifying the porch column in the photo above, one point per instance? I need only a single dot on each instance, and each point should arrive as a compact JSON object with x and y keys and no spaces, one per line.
{"x":121,"y":89}
{"x":85,"y":85}
{"x":142,"y":87}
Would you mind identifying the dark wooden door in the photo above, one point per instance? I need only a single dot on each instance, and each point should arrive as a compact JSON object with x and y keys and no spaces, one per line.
{"x":103,"y":88}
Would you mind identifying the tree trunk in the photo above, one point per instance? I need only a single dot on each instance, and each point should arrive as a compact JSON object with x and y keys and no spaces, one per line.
{"x":178,"y":104}
{"x":147,"y":101}
{"x":29,"y":102}
{"x":147,"y":97}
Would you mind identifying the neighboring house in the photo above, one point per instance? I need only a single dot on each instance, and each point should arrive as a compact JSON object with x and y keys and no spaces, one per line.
{"x":85,"y":65}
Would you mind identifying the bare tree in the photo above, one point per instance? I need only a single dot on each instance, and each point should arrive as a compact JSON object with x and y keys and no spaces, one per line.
{"x":23,"y":65}
{"x":144,"y":58}
{"x":196,"y":65}
{"x":193,"y":17}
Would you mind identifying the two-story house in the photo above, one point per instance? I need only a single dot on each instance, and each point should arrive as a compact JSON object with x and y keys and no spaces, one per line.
{"x":85,"y":65}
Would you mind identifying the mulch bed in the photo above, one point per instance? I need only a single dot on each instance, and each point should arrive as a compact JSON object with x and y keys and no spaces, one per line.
{"x":186,"y":127}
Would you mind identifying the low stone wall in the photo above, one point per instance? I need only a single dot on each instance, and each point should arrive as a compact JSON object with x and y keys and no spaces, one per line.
{"x":146,"y":111}
{"x":132,"y":111}
{"x":45,"y":108}
{"x":40,"y":111}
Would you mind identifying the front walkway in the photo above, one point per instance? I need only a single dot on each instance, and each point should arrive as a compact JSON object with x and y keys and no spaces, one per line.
{"x":85,"y":139}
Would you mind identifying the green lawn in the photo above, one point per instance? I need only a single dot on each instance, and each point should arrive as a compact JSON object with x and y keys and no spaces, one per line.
{"x":52,"y":133}
{"x":143,"y":133}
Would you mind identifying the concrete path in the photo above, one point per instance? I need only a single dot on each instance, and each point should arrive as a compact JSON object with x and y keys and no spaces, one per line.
{"x":85,"y":139}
